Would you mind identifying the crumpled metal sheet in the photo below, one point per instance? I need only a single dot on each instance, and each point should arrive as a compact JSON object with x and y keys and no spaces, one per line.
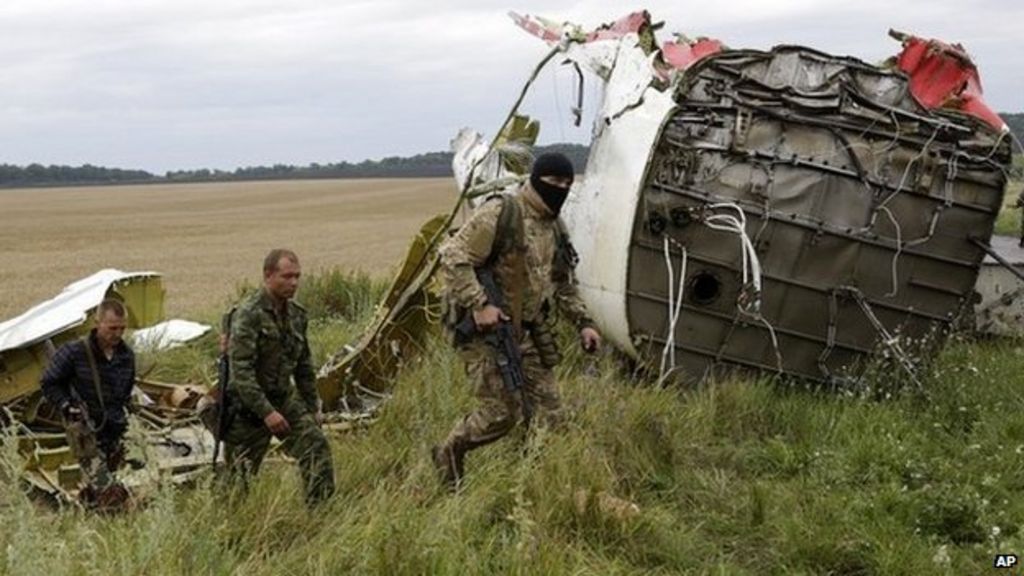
{"x":358,"y":376}
{"x":1001,"y":309}
{"x":943,"y":76}
{"x":166,"y":335}
{"x":167,"y":443}
{"x":68,"y":309}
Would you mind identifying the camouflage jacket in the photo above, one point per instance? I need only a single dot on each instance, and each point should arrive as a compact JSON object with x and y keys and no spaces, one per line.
{"x":267,"y":351}
{"x":528,"y":286}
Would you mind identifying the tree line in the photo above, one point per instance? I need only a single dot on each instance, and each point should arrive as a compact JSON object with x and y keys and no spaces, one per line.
{"x":428,"y":165}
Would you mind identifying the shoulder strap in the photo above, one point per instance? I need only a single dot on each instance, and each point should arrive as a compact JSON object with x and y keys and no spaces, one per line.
{"x":509,"y":232}
{"x":566,"y":257}
{"x":225,"y":320}
{"x":95,"y":373}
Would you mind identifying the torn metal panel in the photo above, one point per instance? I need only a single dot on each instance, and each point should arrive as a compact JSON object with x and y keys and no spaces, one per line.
{"x":1001,"y":309}
{"x":599,"y":213}
{"x":943,"y":76}
{"x":167,"y":444}
{"x":71,"y":307}
{"x":395,"y":337}
{"x":862,"y":228}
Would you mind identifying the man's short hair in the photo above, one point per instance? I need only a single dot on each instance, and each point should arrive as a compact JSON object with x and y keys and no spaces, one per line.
{"x":112,"y":305}
{"x":274,"y":258}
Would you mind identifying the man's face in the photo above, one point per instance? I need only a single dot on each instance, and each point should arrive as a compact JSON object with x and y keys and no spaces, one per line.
{"x":110,"y":329}
{"x":283,"y":282}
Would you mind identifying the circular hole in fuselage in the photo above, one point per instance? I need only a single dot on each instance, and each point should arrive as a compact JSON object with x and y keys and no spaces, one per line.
{"x":704,"y":288}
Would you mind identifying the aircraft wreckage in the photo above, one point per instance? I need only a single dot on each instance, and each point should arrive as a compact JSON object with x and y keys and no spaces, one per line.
{"x":177,"y":445}
{"x":784,"y":211}
{"x":174,"y":446}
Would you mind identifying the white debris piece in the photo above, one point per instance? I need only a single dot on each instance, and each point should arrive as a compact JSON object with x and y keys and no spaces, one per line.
{"x":67,"y":310}
{"x":169,"y":334}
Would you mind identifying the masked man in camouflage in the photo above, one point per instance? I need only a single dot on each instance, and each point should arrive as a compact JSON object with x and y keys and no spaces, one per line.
{"x":272,"y":384}
{"x":521,"y":240}
{"x":90,"y":382}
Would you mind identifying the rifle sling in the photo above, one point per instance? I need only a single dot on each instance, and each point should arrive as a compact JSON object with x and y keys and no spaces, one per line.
{"x":95,"y":379}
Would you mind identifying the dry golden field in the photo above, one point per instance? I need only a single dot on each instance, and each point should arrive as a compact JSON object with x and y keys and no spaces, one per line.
{"x":204,"y":238}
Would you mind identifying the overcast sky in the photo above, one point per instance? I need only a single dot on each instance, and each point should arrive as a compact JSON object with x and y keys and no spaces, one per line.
{"x":162,"y":84}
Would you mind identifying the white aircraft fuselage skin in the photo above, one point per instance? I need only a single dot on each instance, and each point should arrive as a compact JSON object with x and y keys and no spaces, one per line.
{"x":600,"y":211}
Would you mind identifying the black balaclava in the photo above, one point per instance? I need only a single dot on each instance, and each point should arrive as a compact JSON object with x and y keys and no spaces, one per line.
{"x":551,"y":164}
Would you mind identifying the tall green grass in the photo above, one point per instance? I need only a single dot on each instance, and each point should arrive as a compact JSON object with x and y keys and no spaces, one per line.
{"x":732,"y":477}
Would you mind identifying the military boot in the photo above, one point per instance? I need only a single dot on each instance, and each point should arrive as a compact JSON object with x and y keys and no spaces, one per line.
{"x":448,"y":459}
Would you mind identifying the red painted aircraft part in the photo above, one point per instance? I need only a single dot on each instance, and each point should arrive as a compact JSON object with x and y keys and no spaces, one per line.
{"x":681,"y":55}
{"x":549,"y":35}
{"x":943,"y":76}
{"x":625,"y":25}
{"x":552,"y":33}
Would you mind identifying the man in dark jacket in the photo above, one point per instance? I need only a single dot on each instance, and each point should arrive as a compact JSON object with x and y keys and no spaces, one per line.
{"x":90,"y":382}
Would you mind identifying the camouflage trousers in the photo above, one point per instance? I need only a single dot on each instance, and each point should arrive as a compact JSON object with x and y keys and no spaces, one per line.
{"x":248,"y":439}
{"x":99,"y":453}
{"x":499,"y":409}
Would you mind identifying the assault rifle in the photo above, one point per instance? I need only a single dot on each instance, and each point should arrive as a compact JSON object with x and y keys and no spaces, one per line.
{"x":503,"y":339}
{"x":223,"y":375}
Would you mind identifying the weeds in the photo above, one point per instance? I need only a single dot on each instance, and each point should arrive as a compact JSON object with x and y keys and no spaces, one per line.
{"x":733,"y":477}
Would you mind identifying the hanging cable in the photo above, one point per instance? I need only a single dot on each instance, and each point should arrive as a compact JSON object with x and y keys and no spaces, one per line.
{"x":896,"y":256}
{"x":749,"y":300}
{"x":675,"y":306}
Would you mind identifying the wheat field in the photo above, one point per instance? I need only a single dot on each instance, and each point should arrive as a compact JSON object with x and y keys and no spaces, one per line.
{"x":204,"y":238}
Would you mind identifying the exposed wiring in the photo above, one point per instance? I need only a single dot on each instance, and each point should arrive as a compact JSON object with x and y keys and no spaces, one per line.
{"x":749,"y":300}
{"x":896,"y":256}
{"x":675,"y":306}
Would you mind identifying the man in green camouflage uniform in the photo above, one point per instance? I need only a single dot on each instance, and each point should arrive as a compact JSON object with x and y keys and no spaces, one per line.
{"x":520,"y":238}
{"x":272,"y":384}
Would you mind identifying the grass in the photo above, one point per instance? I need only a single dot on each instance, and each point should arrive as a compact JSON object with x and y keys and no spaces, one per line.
{"x":734,"y":477}
{"x":1008,"y":222}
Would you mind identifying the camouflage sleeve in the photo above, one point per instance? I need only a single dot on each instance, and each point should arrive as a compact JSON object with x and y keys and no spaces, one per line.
{"x":305,"y":375}
{"x":242,"y":354}
{"x":56,"y":380}
{"x":567,"y":297}
{"x":466,"y":250}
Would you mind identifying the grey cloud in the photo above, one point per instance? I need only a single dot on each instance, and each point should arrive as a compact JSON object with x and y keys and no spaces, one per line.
{"x":164,"y":85}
